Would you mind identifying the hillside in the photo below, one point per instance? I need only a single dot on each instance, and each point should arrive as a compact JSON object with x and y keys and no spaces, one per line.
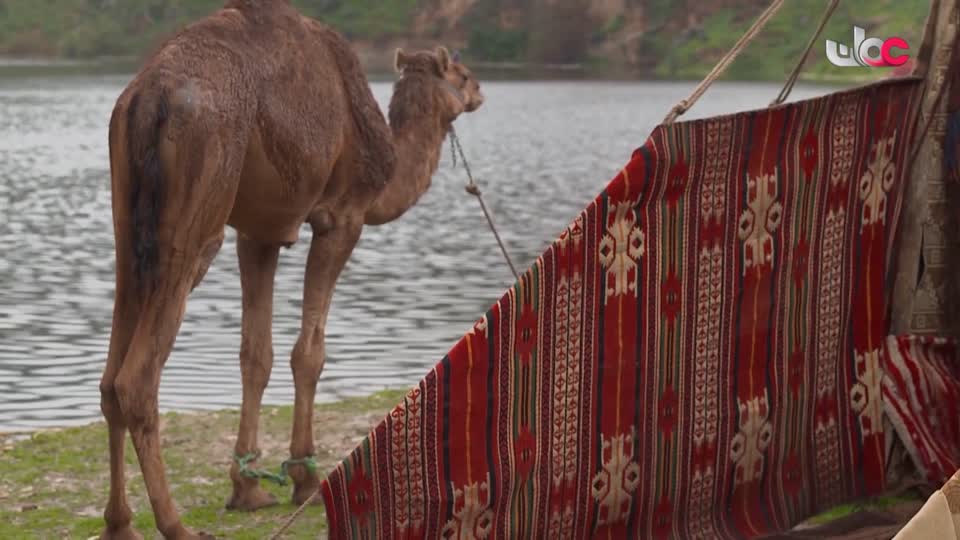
{"x":635,"y":38}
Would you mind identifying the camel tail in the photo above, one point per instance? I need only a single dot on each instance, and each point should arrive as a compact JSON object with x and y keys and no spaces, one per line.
{"x":145,"y":121}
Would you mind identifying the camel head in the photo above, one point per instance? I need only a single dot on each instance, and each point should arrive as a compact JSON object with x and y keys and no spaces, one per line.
{"x":452,"y":83}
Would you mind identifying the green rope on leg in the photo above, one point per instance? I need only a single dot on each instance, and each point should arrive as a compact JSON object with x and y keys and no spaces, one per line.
{"x":243,"y":462}
{"x":245,"y":470}
{"x":310,"y":462}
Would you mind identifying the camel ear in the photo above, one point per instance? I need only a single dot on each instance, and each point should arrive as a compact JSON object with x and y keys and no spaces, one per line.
{"x":443,"y":59}
{"x":400,"y":59}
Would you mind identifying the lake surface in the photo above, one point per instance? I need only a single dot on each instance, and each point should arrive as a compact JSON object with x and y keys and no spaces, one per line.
{"x":541,"y":151}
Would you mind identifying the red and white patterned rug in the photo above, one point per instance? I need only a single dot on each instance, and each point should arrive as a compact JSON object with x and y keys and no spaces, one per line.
{"x":698,"y":355}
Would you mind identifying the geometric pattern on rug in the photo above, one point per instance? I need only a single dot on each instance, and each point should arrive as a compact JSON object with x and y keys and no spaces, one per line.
{"x":697,"y":355}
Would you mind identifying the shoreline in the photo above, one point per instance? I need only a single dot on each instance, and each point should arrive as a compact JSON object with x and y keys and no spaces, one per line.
{"x":377,"y":70}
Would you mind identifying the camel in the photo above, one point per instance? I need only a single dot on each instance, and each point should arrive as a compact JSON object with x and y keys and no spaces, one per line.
{"x":259,"y":118}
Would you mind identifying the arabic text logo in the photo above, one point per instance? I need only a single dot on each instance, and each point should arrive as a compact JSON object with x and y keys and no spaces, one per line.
{"x":873,"y":52}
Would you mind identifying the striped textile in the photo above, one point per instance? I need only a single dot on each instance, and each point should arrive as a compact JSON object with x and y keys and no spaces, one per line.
{"x":697,"y":355}
{"x":921,"y":395}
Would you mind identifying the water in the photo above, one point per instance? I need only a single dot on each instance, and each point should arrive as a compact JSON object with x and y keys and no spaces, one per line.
{"x":541,"y":151}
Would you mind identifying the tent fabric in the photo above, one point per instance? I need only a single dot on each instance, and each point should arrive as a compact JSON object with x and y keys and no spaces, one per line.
{"x":921,"y":395}
{"x":697,"y":355}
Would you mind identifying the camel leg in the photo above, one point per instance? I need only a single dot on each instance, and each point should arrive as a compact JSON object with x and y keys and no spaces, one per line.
{"x":125,"y":310}
{"x":138,"y":381}
{"x":329,"y":251}
{"x":258,"y":265}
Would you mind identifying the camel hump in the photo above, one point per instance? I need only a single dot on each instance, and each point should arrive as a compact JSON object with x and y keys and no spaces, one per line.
{"x":376,"y":153}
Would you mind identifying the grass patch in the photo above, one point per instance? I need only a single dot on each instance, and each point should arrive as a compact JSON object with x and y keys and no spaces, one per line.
{"x":877,"y":504}
{"x":54,"y":484}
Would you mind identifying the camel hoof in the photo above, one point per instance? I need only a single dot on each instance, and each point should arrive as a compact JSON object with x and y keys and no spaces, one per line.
{"x":251,"y":499}
{"x":304,"y":491}
{"x":126,"y":533}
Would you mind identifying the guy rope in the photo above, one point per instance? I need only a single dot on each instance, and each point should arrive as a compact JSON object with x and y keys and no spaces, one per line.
{"x":474,"y":189}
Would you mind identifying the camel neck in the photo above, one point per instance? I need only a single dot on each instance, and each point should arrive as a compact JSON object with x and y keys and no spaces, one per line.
{"x":418,"y":127}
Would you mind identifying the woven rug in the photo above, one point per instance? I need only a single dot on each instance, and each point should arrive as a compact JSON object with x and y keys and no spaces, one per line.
{"x":697,"y":355}
{"x":921,"y":394}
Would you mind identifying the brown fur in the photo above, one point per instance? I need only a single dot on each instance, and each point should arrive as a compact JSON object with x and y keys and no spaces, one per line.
{"x":262,"y":119}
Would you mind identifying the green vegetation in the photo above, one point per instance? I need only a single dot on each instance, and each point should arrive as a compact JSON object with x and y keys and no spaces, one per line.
{"x":364,"y":19}
{"x":774,"y":53}
{"x":678,"y":38}
{"x":54,"y":484}
{"x":93,"y":28}
{"x":496,"y":45}
{"x":609,"y":28}
{"x":877,"y":504}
